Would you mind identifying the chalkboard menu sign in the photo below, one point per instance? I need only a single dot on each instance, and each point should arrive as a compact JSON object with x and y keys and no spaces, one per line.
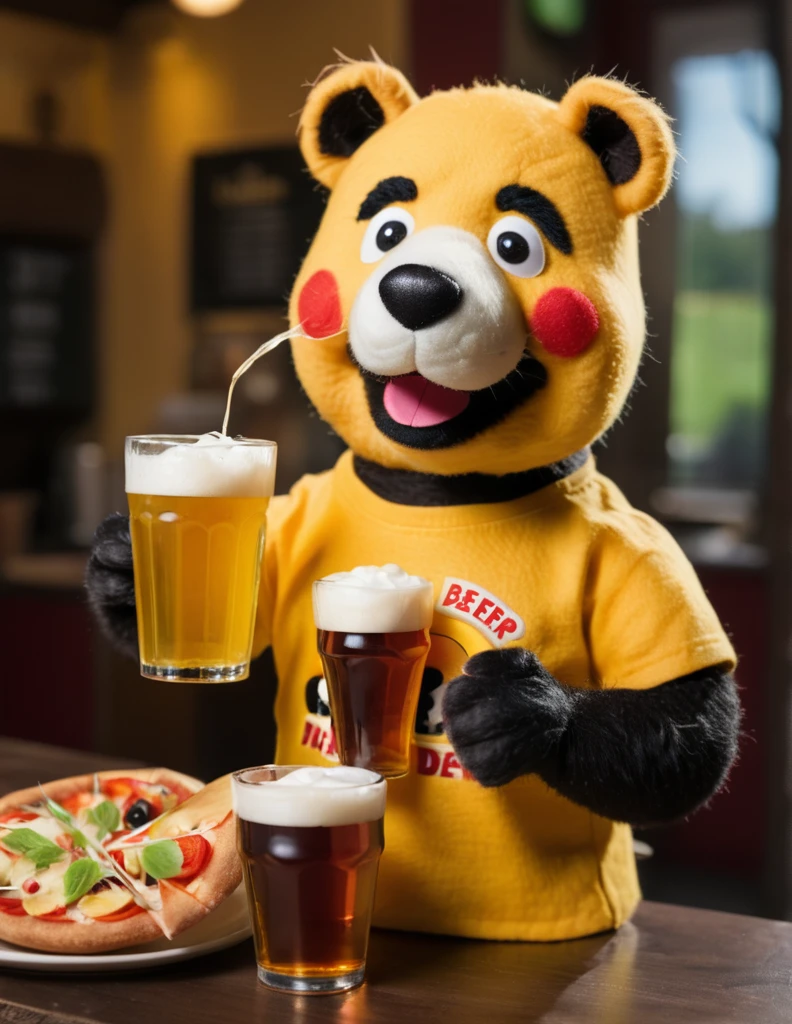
{"x":46,"y":326}
{"x":254,"y":214}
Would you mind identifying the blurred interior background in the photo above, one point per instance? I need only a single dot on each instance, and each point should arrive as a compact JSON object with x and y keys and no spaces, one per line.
{"x":153,"y":212}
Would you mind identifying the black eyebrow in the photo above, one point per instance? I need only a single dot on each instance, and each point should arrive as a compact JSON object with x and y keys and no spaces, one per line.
{"x":533,"y":204}
{"x":390,"y":190}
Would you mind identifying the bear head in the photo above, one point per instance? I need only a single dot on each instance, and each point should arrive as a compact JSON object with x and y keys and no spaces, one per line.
{"x":472,"y":301}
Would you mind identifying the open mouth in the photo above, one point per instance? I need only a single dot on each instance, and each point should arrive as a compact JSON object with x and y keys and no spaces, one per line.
{"x":414,"y":401}
{"x":417,"y":413}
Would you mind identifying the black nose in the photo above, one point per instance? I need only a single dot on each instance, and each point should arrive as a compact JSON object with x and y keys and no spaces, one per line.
{"x":419,"y":296}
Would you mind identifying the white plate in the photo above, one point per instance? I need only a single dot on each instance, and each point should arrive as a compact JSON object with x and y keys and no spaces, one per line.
{"x":224,"y":927}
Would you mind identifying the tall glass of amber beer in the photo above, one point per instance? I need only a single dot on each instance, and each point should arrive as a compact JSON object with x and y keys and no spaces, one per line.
{"x":373,"y":637}
{"x":310,"y":841}
{"x":197,"y":511}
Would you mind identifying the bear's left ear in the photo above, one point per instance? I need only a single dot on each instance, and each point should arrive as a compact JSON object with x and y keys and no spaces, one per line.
{"x":630,"y":135}
{"x":344,"y":109}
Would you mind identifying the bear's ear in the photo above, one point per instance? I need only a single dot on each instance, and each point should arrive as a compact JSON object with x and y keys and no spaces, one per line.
{"x":344,"y":109}
{"x":630,"y":135}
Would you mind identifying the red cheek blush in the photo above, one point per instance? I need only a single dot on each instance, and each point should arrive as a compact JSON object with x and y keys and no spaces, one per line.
{"x":319,"y":306}
{"x":564,"y":322}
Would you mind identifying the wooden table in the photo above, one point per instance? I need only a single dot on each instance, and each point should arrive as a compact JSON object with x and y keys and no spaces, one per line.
{"x":668,"y":964}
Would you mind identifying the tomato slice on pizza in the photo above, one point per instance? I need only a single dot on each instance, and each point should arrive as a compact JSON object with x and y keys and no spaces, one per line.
{"x":97,"y":862}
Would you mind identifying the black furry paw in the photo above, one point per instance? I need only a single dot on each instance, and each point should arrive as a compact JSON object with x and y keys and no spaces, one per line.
{"x":506,"y":715}
{"x":110,"y":583}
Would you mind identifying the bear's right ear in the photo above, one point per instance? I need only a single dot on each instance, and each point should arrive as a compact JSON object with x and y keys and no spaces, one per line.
{"x":344,"y":109}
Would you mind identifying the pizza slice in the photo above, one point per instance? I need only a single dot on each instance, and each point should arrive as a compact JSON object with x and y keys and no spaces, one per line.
{"x":97,"y":862}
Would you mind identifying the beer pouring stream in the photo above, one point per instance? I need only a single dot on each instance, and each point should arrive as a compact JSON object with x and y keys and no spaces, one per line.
{"x":293,"y":332}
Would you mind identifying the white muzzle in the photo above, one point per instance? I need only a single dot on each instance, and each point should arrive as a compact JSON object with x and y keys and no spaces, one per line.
{"x":477,"y":343}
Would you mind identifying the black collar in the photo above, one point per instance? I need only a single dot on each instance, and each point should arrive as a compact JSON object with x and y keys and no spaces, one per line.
{"x":405,"y":487}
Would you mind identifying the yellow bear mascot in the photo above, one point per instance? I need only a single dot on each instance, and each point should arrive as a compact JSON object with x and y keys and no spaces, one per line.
{"x":473,"y":321}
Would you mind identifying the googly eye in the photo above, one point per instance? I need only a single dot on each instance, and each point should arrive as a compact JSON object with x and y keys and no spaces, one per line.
{"x":389,"y":227}
{"x":517,"y":247}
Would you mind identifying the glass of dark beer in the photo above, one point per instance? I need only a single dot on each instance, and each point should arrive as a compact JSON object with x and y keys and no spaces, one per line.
{"x":373,"y":637}
{"x":310,"y":841}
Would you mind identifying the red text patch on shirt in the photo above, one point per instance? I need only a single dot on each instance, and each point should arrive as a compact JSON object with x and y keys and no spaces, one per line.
{"x":481,"y":608}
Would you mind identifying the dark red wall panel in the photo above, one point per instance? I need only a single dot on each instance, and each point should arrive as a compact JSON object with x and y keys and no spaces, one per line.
{"x":46,"y":673}
{"x":454,"y":41}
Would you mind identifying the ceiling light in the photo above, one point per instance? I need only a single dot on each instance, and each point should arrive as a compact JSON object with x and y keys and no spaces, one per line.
{"x":206,"y":8}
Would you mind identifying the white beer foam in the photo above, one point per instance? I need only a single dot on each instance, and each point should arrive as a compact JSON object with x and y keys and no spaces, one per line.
{"x":308,"y":797}
{"x":213,"y":466}
{"x":373,"y":599}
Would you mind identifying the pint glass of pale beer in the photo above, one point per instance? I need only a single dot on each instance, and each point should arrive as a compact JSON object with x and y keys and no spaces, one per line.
{"x":197,"y":510}
{"x":310,"y":841}
{"x":373,"y":637}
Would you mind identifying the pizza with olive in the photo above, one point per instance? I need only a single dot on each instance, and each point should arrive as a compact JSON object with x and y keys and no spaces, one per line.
{"x":98,"y":862}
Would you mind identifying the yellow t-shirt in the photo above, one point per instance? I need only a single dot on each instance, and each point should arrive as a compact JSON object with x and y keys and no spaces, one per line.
{"x":599,"y":591}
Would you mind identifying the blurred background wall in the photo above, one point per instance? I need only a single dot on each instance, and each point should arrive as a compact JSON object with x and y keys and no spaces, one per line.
{"x":141,"y":145}
{"x":177,"y":85}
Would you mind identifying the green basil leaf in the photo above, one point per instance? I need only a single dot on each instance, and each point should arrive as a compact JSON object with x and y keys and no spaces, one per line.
{"x":106,"y":817}
{"x":59,"y":812}
{"x":79,"y":839}
{"x":39,"y":849}
{"x":68,"y":820}
{"x":163,"y":859}
{"x":80,"y":877}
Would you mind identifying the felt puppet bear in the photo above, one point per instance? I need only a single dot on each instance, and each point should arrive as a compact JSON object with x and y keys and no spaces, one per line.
{"x":475,"y":285}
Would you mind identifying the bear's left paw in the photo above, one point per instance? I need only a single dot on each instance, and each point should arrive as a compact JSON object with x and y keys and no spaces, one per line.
{"x":505,"y":715}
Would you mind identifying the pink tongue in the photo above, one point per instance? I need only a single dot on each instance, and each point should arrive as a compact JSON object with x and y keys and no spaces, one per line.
{"x":415,"y":401}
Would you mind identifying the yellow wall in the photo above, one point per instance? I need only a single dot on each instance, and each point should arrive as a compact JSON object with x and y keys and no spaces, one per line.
{"x":146,"y":99}
{"x":36,"y":55}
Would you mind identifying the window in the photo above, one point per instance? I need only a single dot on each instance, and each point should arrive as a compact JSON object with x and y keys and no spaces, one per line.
{"x":727,"y":107}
